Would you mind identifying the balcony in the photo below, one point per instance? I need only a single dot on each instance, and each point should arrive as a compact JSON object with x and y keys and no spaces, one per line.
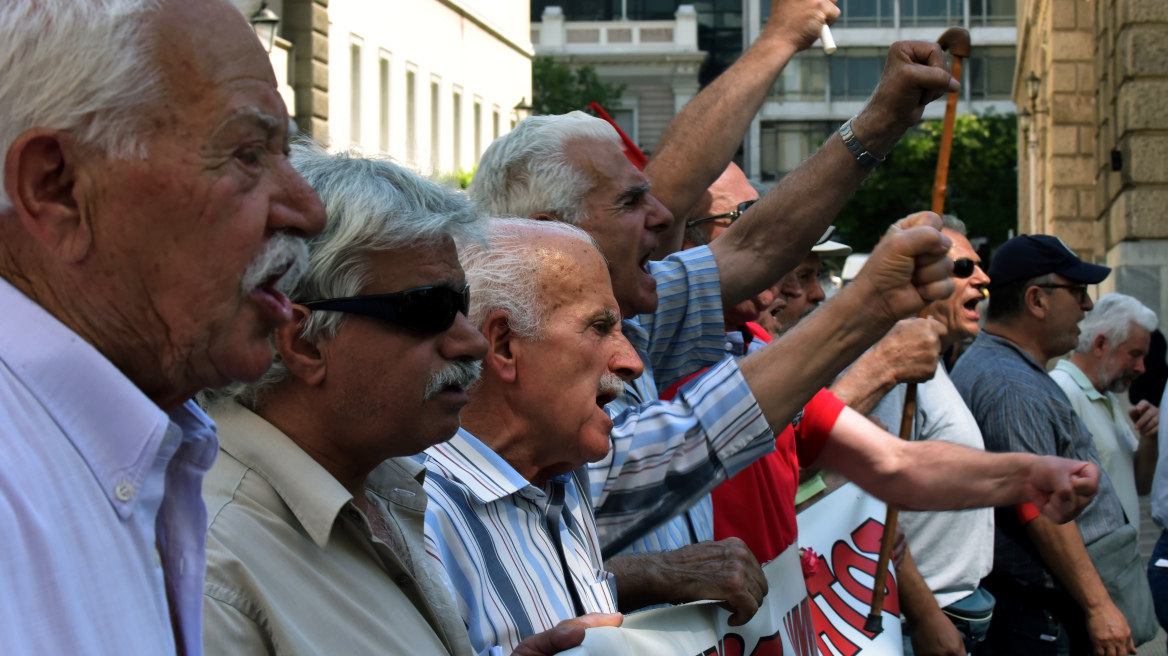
{"x":555,"y":36}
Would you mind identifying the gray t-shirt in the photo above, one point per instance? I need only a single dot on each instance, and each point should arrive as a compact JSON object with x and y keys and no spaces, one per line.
{"x":953,"y":550}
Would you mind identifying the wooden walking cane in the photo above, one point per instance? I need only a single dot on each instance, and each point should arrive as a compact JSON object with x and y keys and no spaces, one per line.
{"x":956,"y":41}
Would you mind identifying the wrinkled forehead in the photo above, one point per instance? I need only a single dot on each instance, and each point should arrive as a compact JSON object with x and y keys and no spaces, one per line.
{"x":961,"y":247}
{"x":604,"y":164}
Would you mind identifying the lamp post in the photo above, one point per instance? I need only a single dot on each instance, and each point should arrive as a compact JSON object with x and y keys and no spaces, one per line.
{"x":522,"y":110}
{"x":264,"y":21}
{"x":1027,"y":120}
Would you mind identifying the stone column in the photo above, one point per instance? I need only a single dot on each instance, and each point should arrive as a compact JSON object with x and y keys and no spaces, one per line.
{"x":306,"y":25}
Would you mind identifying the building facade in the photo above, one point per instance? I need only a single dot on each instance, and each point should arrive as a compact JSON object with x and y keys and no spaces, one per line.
{"x":428,"y":82}
{"x":1093,"y":154}
{"x":816,"y":92}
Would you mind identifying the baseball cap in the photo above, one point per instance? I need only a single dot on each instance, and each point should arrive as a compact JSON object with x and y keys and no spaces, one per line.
{"x":828,"y":248}
{"x":1030,"y":256}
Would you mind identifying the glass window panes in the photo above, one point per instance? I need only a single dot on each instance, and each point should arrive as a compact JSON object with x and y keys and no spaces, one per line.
{"x":989,"y":73}
{"x":927,"y":13}
{"x":992,"y":12}
{"x":865,"y":13}
{"x":804,"y":78}
{"x":854,"y":75}
{"x":785,"y":144}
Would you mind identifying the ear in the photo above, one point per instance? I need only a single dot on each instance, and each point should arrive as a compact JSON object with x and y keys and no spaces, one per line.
{"x":40,"y":177}
{"x":1099,"y":344}
{"x":501,"y":342}
{"x":1036,"y":302}
{"x":303,"y":359}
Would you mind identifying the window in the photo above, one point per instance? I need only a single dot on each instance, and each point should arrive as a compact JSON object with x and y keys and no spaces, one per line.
{"x":804,"y":78}
{"x":355,"y":91}
{"x":785,"y":144}
{"x":992,"y":12}
{"x":989,"y":73}
{"x":456,"y":108}
{"x":866,"y":13}
{"x":383,"y":102}
{"x":478,"y":131}
{"x":626,"y":118}
{"x":411,"y":120}
{"x":435,"y":160}
{"x":495,"y":123}
{"x":929,"y":13}
{"x":854,"y":75}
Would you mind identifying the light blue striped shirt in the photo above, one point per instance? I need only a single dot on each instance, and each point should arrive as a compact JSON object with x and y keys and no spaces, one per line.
{"x":652,"y":490}
{"x":496,"y":535}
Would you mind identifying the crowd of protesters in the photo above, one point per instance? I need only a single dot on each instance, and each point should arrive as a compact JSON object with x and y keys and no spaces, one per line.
{"x":261,"y":398}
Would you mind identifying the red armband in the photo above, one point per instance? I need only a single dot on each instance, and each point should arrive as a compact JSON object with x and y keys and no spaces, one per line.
{"x":1027,"y":512}
{"x":819,"y":417}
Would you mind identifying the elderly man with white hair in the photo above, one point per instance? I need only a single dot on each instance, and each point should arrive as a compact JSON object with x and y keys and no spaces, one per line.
{"x":1113,"y":341}
{"x":570,"y":168}
{"x":149,"y":220}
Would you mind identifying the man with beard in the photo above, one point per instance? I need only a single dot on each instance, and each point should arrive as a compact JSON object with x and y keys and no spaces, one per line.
{"x":149,"y":220}
{"x":1060,"y":588}
{"x":1114,"y":340}
{"x":315,"y":543}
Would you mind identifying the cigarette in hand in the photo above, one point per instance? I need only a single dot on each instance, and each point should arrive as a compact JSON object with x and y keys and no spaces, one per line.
{"x":826,"y":40}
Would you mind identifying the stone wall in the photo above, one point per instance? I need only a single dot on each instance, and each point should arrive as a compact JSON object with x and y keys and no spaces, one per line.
{"x":306,"y":25}
{"x":1101,"y":133}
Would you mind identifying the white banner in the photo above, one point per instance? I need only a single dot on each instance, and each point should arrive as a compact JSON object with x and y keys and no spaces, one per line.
{"x":829,"y":621}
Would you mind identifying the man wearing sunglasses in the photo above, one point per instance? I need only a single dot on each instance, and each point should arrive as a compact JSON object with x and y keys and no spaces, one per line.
{"x":1063,"y":589}
{"x":315,"y":543}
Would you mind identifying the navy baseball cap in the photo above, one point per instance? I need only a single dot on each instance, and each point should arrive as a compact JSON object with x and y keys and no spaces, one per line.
{"x":1030,"y":256}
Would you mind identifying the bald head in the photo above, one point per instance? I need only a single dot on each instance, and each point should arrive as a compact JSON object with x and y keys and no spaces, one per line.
{"x":730,"y":189}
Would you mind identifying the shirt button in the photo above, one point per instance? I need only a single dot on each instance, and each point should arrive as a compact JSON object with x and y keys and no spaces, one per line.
{"x":403,"y":580}
{"x":124,"y":491}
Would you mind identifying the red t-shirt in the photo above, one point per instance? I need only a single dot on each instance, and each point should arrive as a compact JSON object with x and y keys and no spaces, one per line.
{"x":758,"y":505}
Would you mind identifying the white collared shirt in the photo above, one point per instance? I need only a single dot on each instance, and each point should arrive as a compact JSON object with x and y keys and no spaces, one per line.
{"x":101,"y":511}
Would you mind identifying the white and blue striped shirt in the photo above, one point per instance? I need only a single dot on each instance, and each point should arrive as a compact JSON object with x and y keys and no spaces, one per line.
{"x":497,"y":536}
{"x":652,"y":490}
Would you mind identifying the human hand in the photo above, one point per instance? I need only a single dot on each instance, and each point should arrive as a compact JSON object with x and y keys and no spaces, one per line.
{"x":725,"y":570}
{"x":909,"y":352}
{"x":899,"y":546}
{"x":935,"y":635}
{"x":798,"y":22}
{"x":565,"y":635}
{"x":914,"y":76}
{"x":1109,"y":632}
{"x":1146,"y":418}
{"x":1061,"y":488}
{"x":908,"y":269}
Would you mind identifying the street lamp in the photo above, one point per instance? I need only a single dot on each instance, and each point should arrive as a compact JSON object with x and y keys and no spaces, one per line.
{"x":1024,"y":119}
{"x":522,"y":110}
{"x":264,"y":22}
{"x":1033,"y":85}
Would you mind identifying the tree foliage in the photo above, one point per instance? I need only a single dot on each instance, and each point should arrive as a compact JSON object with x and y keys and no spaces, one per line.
{"x":982,"y":183}
{"x":557,"y":89}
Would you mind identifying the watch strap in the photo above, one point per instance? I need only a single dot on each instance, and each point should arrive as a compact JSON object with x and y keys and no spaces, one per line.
{"x":856,"y":148}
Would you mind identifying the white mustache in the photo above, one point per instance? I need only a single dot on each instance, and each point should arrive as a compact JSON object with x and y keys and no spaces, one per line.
{"x":457,"y":374}
{"x":610,"y":383}
{"x":284,"y":253}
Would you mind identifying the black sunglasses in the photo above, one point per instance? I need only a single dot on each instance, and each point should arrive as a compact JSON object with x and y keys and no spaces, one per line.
{"x":963,"y":268}
{"x":742,"y":207}
{"x":424,"y":309}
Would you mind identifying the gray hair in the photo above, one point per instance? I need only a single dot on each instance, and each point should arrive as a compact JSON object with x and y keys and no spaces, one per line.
{"x":84,"y":66}
{"x":696,"y":236}
{"x":505,"y":273}
{"x":528,"y":171}
{"x":952,"y":223}
{"x":373,"y":205}
{"x":1113,"y":317}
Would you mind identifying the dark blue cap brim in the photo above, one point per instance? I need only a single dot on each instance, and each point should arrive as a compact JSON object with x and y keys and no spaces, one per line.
{"x":1092,"y":274}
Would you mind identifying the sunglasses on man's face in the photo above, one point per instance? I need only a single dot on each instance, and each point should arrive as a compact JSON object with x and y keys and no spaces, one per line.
{"x":424,"y":309}
{"x":963,"y":268}
{"x":742,"y":207}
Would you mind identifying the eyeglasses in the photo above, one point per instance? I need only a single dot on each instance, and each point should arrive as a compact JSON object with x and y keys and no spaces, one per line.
{"x":963,"y":268}
{"x":1080,"y":291}
{"x":742,"y":207}
{"x":424,"y":309}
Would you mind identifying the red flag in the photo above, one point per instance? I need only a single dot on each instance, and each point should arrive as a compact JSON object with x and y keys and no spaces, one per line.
{"x":631,"y":151}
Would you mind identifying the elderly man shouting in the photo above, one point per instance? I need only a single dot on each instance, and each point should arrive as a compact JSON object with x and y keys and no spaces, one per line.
{"x":316,"y":544}
{"x":148,"y":220}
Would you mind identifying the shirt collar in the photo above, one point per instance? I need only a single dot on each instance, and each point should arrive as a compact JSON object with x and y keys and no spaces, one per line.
{"x":476,"y":467}
{"x":1080,"y":378}
{"x":314,"y":495}
{"x":115,"y":428}
{"x":993,"y":341}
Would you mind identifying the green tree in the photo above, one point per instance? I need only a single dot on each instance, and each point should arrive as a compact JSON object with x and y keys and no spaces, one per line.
{"x":557,"y":89}
{"x":982,"y":184}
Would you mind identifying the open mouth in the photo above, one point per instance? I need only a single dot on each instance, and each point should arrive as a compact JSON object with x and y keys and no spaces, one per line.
{"x":604,"y":399}
{"x":971,"y":307}
{"x":644,"y":263}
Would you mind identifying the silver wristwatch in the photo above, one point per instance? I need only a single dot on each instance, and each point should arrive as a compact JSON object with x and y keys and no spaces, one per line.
{"x":857,"y":149}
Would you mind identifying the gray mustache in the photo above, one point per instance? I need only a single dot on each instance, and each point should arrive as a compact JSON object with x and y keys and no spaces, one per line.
{"x":610,"y":383}
{"x":283,"y":252}
{"x":456,"y":374}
